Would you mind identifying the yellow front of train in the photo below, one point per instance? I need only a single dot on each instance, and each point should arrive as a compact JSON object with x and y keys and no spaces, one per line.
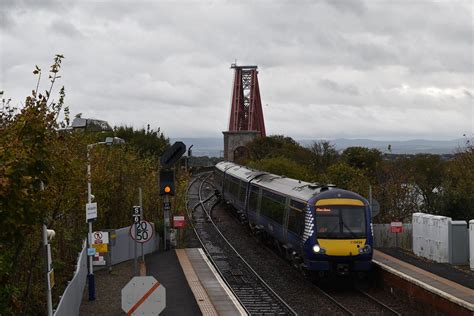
{"x":341,"y":238}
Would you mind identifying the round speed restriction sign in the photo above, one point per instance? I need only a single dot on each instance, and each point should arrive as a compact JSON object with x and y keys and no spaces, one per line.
{"x":141,"y":231}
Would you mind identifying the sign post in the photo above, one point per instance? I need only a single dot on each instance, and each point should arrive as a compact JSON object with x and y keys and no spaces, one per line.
{"x":136,"y":221}
{"x":396,"y":227}
{"x":166,"y":215}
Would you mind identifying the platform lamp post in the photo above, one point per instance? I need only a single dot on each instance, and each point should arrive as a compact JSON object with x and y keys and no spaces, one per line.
{"x":91,"y":216}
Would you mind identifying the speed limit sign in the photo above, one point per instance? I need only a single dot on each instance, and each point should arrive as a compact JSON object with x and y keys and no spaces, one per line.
{"x":141,"y":231}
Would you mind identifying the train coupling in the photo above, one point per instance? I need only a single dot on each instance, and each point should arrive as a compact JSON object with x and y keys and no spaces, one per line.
{"x":342,"y":269}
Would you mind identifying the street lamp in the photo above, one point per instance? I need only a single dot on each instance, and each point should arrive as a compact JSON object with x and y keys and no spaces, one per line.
{"x":90,"y":276}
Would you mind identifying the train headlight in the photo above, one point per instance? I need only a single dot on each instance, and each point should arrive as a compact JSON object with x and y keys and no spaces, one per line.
{"x":366,"y":249}
{"x":318,"y":249}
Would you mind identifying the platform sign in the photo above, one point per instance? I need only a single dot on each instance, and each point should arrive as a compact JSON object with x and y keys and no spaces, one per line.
{"x":143,"y":296}
{"x":100,"y":242}
{"x":396,"y":227}
{"x":51,"y":279}
{"x":179,"y":221}
{"x":91,"y":211}
{"x":91,"y":251}
{"x":141,"y":231}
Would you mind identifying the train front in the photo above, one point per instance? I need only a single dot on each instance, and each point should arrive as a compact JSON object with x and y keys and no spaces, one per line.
{"x":340,"y":240}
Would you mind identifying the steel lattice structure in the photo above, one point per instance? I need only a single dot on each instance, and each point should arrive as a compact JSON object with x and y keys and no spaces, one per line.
{"x":246,"y":112}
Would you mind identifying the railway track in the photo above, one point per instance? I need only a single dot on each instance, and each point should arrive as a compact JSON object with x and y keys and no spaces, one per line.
{"x":250,"y":289}
{"x":358,"y":302}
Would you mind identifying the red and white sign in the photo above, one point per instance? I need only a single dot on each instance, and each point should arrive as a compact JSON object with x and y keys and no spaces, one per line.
{"x":396,"y":227}
{"x":143,"y":296}
{"x":178,"y":221}
{"x":141,"y":231}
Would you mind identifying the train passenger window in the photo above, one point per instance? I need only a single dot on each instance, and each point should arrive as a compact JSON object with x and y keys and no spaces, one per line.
{"x":227,"y":184}
{"x":242,"y":191}
{"x":234,"y":188}
{"x":296,"y":217}
{"x":273,"y":206}
{"x":253,"y":202}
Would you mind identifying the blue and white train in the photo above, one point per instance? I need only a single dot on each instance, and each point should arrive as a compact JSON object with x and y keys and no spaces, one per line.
{"x":320,"y":228}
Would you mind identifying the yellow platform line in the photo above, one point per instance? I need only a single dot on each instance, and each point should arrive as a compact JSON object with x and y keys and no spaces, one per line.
{"x":202,"y":299}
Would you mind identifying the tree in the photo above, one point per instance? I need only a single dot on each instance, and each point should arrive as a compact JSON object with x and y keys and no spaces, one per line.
{"x":458,"y":185}
{"x":396,"y":191}
{"x":279,"y":146}
{"x":363,"y":158}
{"x":43,"y":179}
{"x":147,"y":142}
{"x":281,"y":166}
{"x":428,"y":172}
{"x":347,"y":177}
{"x":324,"y":154}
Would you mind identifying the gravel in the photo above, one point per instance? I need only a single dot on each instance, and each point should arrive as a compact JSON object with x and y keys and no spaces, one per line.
{"x":108,"y":291}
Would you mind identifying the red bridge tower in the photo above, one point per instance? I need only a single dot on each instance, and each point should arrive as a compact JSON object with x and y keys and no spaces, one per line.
{"x":246,"y":115}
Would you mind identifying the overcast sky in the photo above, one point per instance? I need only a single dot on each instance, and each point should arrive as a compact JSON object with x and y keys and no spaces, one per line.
{"x":327,"y":69}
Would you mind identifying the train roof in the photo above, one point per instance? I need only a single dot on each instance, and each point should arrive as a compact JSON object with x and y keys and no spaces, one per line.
{"x":241,"y":172}
{"x":295,"y":188}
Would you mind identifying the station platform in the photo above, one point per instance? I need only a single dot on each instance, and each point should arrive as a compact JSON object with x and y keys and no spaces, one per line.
{"x":445,"y":295}
{"x":193,"y":286}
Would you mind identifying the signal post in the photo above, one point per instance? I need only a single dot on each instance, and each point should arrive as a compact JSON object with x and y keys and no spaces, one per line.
{"x":167,"y":177}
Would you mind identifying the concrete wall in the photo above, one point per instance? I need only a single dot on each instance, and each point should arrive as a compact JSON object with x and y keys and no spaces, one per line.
{"x":431,"y":236}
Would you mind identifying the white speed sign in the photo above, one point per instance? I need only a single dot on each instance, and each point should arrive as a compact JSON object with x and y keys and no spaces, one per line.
{"x":141,"y":231}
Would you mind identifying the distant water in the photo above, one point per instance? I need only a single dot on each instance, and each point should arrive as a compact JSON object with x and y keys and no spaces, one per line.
{"x":214,"y":147}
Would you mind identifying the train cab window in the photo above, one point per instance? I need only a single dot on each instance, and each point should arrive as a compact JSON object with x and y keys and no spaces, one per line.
{"x":340,"y":221}
{"x":242,"y":191}
{"x":253,"y":201}
{"x":273,"y":206}
{"x":296,"y":217}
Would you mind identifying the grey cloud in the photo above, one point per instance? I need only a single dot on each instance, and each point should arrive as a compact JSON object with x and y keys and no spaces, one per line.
{"x":354,"y":6}
{"x":65,"y":28}
{"x":336,"y":87}
{"x":335,"y":63}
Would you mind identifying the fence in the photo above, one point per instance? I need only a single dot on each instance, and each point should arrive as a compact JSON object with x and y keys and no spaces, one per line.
{"x":122,"y":249}
{"x":383,"y":238}
{"x":71,"y":300}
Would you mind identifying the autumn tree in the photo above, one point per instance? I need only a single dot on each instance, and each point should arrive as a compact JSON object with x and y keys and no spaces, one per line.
{"x":282,"y":166}
{"x":324,"y":154}
{"x":365,"y":159}
{"x":458,"y":185}
{"x":428,"y":173}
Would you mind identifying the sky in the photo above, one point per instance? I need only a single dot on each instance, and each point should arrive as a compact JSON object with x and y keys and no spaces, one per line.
{"x":388,"y":70}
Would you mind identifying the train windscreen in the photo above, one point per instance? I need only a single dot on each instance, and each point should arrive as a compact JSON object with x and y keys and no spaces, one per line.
{"x":340,"y":221}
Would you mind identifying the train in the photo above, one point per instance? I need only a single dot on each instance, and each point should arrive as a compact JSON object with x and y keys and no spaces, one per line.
{"x":321,"y":229}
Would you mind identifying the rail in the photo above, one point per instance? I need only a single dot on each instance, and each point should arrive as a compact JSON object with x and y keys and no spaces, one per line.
{"x":262,"y":292}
